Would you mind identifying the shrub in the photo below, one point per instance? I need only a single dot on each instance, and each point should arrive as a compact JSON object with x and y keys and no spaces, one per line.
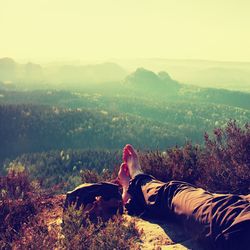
{"x":118,"y":233}
{"x":15,"y":185}
{"x":36,"y":235}
{"x":225,"y":161}
{"x":80,"y":233}
{"x":222,"y":164}
{"x":90,"y":176}
{"x":16,"y":205}
{"x":176,"y":163}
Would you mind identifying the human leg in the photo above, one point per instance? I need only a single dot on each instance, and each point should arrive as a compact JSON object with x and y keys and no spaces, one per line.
{"x":223,"y":219}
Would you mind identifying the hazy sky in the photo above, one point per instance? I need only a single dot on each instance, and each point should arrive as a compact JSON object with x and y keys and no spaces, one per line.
{"x":104,"y":29}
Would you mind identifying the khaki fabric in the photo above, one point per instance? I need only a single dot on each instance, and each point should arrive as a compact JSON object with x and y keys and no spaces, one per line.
{"x":222,"y":221}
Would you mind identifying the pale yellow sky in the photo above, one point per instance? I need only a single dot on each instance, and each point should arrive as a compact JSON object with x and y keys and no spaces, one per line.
{"x":104,"y":29}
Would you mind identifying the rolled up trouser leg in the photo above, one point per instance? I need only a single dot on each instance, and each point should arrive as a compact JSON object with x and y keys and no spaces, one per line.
{"x":217,"y":218}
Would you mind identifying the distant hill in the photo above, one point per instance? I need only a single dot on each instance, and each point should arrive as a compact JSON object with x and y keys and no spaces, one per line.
{"x":203,"y":73}
{"x":12,"y":72}
{"x":147,"y":80}
{"x":162,"y":86}
{"x":34,"y":75}
{"x":212,"y":74}
{"x":111,"y":79}
{"x":8,"y":70}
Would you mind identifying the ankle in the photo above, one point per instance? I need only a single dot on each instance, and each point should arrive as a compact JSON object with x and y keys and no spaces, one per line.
{"x":125,"y":195}
{"x":136,"y":172}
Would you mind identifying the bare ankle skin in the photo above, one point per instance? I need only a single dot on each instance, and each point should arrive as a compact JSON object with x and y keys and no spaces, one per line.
{"x":125,"y":195}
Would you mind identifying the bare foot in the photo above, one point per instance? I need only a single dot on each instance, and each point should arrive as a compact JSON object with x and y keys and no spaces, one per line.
{"x":123,"y":178}
{"x":131,"y":158}
{"x":123,"y":175}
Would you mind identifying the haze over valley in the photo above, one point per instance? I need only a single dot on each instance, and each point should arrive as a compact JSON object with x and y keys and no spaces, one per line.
{"x":105,"y":106}
{"x":202,"y":73}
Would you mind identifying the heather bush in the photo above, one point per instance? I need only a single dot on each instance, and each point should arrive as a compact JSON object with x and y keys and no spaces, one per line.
{"x":155,"y":163}
{"x":91,"y":176}
{"x":79,"y":232}
{"x":118,"y":233}
{"x":176,"y":163}
{"x":222,"y":164}
{"x":35,"y":235}
{"x":16,"y":205}
{"x":13,"y":214}
{"x":77,"y":229}
{"x":15,"y":185}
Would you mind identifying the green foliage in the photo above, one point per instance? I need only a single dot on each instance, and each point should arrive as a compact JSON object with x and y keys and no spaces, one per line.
{"x":92,"y":121}
{"x":42,"y":129}
{"x":69,"y":168}
{"x":221,"y":164}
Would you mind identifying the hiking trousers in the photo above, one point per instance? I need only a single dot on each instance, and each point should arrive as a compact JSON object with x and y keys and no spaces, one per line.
{"x":221,"y":221}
